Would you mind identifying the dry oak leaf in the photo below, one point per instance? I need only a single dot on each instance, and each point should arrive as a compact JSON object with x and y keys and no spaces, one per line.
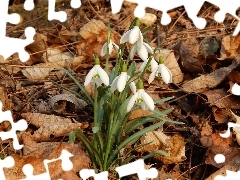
{"x":173,"y":145}
{"x":189,"y":53}
{"x":80,"y":161}
{"x":36,"y":49}
{"x":95,"y":35}
{"x":39,"y":72}
{"x":171,"y":61}
{"x":221,"y":115}
{"x":230,"y":46}
{"x":206,"y":82}
{"x":50,"y":125}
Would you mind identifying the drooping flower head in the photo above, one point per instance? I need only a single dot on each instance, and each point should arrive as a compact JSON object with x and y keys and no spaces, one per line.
{"x":142,"y":98}
{"x":120,"y":81}
{"x":134,"y":36}
{"x":97,"y":74}
{"x":162,"y":71}
{"x":111,"y":45}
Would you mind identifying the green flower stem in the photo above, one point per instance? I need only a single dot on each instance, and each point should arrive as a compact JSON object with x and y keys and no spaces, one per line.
{"x":145,"y":68}
{"x":96,"y":124}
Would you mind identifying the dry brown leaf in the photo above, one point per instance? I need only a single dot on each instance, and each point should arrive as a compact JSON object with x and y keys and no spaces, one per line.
{"x":148,"y":19}
{"x":176,"y":152}
{"x":80,"y":160}
{"x":230,"y":46}
{"x":36,"y":49}
{"x":139,"y":113}
{"x":206,"y":82}
{"x":50,"y":125}
{"x":189,"y":53}
{"x":170,"y":60}
{"x":6,"y":103}
{"x":95,"y":35}
{"x":209,"y":46}
{"x":233,"y":165}
{"x":173,"y":145}
{"x":56,"y":54}
{"x":58,"y":35}
{"x":39,"y":72}
{"x":221,"y":115}
{"x":229,"y":153}
{"x":221,"y":99}
{"x":206,"y":133}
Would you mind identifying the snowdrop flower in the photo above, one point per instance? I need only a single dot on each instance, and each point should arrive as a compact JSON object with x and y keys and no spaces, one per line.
{"x":141,"y":97}
{"x":236,"y":89}
{"x":153,"y":64}
{"x":120,"y":81}
{"x":111,"y":45}
{"x":135,"y":37}
{"x":97,"y":74}
{"x":162,"y":71}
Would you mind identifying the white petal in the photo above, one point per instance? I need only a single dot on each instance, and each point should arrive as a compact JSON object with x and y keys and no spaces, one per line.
{"x":132,"y":101}
{"x":133,"y":51}
{"x":152,"y":75}
{"x":140,"y":40}
{"x":98,"y":81}
{"x":154,"y":64}
{"x":149,"y":49}
{"x":115,"y":45}
{"x":236,"y":89}
{"x":165,"y":73}
{"x":110,"y":46}
{"x":114,"y":84}
{"x":148,"y":100}
{"x":103,"y":75}
{"x":103,"y":50}
{"x":133,"y":87}
{"x":122,"y":81}
{"x":125,"y":37}
{"x":90,"y":76}
{"x":143,"y":66}
{"x":142,"y":52}
{"x":134,"y":35}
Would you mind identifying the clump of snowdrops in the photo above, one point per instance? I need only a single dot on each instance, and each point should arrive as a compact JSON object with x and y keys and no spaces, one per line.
{"x":117,"y":93}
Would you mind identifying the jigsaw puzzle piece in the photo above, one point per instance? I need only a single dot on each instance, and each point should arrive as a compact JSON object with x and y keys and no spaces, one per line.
{"x":60,"y":15}
{"x":137,"y":167}
{"x":21,"y":125}
{"x":8,"y":162}
{"x":87,"y":173}
{"x":28,"y":171}
{"x":66,"y":166}
{"x":29,"y":5}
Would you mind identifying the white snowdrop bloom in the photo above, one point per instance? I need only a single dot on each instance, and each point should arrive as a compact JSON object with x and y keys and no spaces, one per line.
{"x":111,"y":45}
{"x":236,"y":89}
{"x":162,"y":71}
{"x":120,"y":82}
{"x":134,"y":36}
{"x":98,"y":75}
{"x":143,"y":98}
{"x":153,"y":64}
